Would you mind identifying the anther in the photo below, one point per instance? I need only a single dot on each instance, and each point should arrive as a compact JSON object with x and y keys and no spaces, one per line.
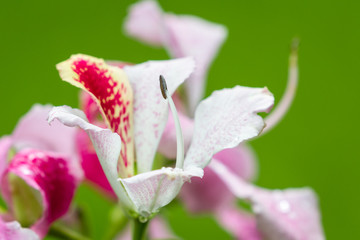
{"x":179,"y":138}
{"x":163,"y":86}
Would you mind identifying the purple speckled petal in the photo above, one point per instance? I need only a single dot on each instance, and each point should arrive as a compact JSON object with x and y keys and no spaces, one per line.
{"x":150,"y":108}
{"x":210,"y":194}
{"x":50,"y":174}
{"x":290,"y":214}
{"x":106,"y":143}
{"x":13,"y":231}
{"x":182,"y":36}
{"x":224,"y":120}
{"x":240,"y":224}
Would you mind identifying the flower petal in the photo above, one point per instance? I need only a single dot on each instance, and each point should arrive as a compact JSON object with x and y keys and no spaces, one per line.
{"x":13,"y":231}
{"x":145,"y":22}
{"x":33,"y":131}
{"x":290,"y":214}
{"x":150,"y":109}
{"x":210,"y":194}
{"x":5,"y":145}
{"x":90,"y":107}
{"x":50,"y":174}
{"x":240,"y":224}
{"x":112,"y":91}
{"x":182,"y":36}
{"x":152,"y":190}
{"x":106,"y":143}
{"x":91,"y":164}
{"x":224,"y":120}
{"x":193,"y":36}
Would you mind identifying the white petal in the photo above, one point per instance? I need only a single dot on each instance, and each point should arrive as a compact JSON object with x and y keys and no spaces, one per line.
{"x":150,"y":109}
{"x":106,"y":143}
{"x":152,"y":190}
{"x":224,"y":120}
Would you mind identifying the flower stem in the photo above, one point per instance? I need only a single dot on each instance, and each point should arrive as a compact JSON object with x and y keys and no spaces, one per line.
{"x":65,"y":232}
{"x":139,"y":230}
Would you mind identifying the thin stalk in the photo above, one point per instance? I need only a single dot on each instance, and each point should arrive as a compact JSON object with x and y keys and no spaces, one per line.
{"x":65,"y":232}
{"x":139,"y":230}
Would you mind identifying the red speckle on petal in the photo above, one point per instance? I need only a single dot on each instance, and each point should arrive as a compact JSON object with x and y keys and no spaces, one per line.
{"x":113,"y":93}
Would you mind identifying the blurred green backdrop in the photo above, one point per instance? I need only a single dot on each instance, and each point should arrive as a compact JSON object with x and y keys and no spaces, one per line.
{"x":315,"y":145}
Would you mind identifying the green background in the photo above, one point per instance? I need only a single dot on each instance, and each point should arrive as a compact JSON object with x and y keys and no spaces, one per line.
{"x":315,"y":145}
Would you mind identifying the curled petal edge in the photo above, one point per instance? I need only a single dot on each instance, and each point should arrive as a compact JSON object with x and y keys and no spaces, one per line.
{"x":106,"y":143}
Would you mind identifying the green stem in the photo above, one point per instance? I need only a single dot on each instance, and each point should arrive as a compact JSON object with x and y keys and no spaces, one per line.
{"x":139,"y":230}
{"x":65,"y":232}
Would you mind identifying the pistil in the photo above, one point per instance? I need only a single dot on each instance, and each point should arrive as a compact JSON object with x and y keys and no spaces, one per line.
{"x":179,"y":137}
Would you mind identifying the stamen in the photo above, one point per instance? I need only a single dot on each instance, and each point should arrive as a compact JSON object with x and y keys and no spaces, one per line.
{"x":163,"y":86}
{"x":179,"y":138}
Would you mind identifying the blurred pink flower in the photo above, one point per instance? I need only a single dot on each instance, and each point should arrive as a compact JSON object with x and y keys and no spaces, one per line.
{"x":44,"y":158}
{"x":13,"y":231}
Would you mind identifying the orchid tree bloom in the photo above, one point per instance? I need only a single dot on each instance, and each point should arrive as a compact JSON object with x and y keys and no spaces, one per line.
{"x":182,"y":36}
{"x":136,"y":114}
{"x":35,"y":162}
{"x":148,"y":23}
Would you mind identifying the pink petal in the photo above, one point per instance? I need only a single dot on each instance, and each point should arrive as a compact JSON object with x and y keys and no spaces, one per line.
{"x":167,"y":145}
{"x":159,"y":229}
{"x":89,"y":160}
{"x":283,"y":106}
{"x":150,"y":109}
{"x":240,"y":224}
{"x":111,"y":90}
{"x":210,"y":193}
{"x":182,"y":36}
{"x":5,"y":145}
{"x":224,"y":120}
{"x":241,"y":160}
{"x":33,"y":131}
{"x":90,"y":107}
{"x":13,"y":231}
{"x":193,"y":36}
{"x":91,"y":164}
{"x":106,"y":143}
{"x":152,"y":190}
{"x":206,"y":194}
{"x":145,"y":22}
{"x":50,"y":174}
{"x":290,"y":214}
